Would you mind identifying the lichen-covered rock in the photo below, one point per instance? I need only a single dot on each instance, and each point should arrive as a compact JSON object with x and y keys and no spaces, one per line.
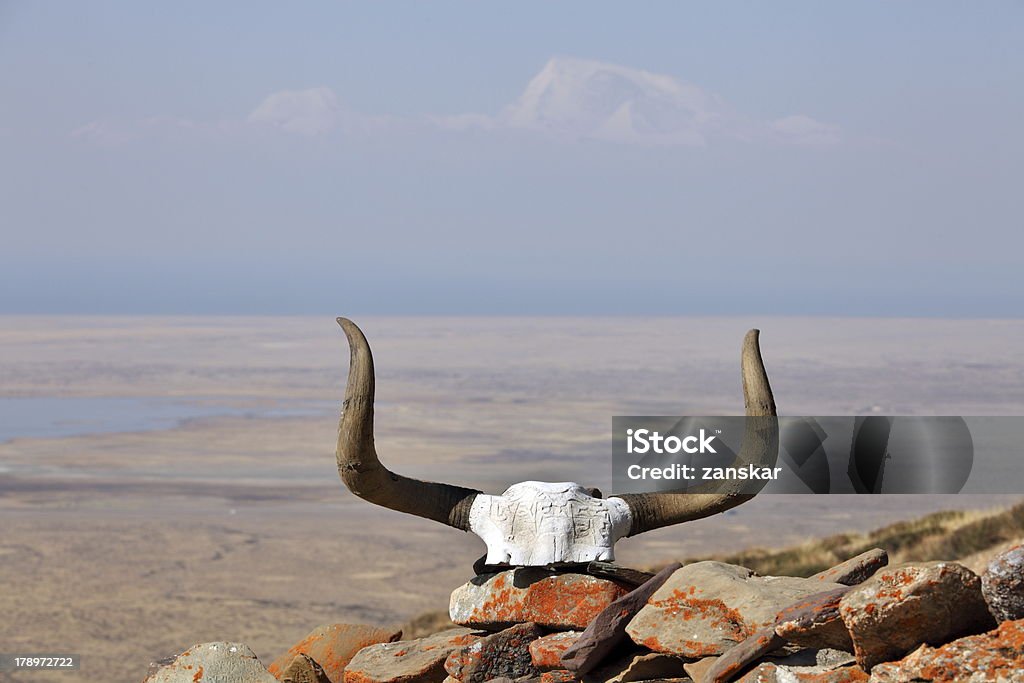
{"x":608,"y":629}
{"x":815,"y":622}
{"x":857,"y":569}
{"x":304,"y":670}
{"x":558,"y":676}
{"x":532,"y":594}
{"x":332,"y":646}
{"x":408,"y":661}
{"x":546,"y":652}
{"x":504,"y":654}
{"x":906,"y":605}
{"x":994,"y":656}
{"x":1003,"y":584}
{"x":233,"y":662}
{"x":706,"y":608}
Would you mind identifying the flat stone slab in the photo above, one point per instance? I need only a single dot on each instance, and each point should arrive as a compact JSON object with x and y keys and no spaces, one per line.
{"x":233,"y":662}
{"x":907,"y":605}
{"x":557,"y":601}
{"x":408,"y":661}
{"x":332,"y":646}
{"x":706,"y":608}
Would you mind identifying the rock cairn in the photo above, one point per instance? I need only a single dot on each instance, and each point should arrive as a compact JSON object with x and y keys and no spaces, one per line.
{"x":705,"y":622}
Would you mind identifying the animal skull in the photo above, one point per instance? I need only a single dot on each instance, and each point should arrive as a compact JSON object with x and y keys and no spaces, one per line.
{"x":539,"y":523}
{"x":533,"y":523}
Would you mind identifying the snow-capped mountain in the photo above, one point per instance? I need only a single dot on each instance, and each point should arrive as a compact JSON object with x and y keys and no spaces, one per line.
{"x":589,"y":99}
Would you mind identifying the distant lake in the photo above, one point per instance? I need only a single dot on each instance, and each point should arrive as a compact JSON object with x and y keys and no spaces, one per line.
{"x":51,"y":417}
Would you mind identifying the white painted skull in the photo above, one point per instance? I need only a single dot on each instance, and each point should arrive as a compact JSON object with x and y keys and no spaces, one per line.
{"x":538,"y":523}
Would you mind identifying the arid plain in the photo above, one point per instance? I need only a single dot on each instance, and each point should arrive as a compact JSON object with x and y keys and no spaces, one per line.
{"x":133,"y":542}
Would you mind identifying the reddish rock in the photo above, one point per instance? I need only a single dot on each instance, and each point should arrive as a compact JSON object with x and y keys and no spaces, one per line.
{"x":855,"y":570}
{"x":558,"y":676}
{"x":608,"y":629}
{"x":332,"y":646}
{"x":532,"y":594}
{"x":994,"y":656}
{"x":738,"y":658}
{"x":304,"y":670}
{"x":408,"y":661}
{"x":815,"y":622}
{"x":505,"y":654}
{"x":1002,"y":584}
{"x":547,"y":652}
{"x":907,"y":605}
{"x":706,"y":608}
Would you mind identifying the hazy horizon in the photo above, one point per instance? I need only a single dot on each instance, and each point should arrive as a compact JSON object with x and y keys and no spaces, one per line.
{"x":680,"y":159}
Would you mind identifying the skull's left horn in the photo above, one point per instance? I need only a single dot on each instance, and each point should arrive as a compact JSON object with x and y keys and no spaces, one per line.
{"x":359,"y":466}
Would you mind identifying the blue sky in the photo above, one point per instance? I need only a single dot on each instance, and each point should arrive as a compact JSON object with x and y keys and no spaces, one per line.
{"x":570,"y":158}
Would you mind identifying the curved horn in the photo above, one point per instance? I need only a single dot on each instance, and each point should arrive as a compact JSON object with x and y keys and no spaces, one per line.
{"x":358,"y":465}
{"x":760,"y":447}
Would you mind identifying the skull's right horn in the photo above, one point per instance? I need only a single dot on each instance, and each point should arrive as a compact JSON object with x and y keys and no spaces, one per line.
{"x":760,"y":448}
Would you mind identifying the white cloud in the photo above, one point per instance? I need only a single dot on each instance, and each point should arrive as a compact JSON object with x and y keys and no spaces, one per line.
{"x":569,"y":99}
{"x":803,"y":130}
{"x":308,"y":112}
{"x":104,"y":133}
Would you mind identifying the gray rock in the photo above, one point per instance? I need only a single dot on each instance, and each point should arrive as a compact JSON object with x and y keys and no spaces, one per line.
{"x":1002,"y":584}
{"x":770,"y":672}
{"x":608,"y":629}
{"x":814,"y":622}
{"x":855,"y":570}
{"x":707,"y":608}
{"x":502,"y":655}
{"x":303,"y":669}
{"x":228,"y":662}
{"x":639,"y":667}
{"x":906,"y":605}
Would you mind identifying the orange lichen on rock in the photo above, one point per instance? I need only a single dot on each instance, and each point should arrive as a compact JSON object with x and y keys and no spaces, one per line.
{"x":554,"y":600}
{"x":997,"y":655}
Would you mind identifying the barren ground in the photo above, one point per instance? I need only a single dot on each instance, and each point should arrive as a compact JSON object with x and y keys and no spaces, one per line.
{"x":125,"y":547}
